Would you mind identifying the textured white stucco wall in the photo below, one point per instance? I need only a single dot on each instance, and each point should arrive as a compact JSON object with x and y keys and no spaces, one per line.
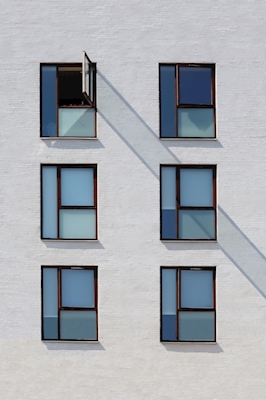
{"x":128,"y":39}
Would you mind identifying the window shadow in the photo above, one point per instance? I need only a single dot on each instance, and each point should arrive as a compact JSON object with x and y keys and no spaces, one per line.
{"x":193,"y":347}
{"x":69,"y":245}
{"x":76,"y":346}
{"x":71,"y":144}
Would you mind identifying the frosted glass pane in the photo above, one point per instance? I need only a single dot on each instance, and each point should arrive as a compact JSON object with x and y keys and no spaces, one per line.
{"x":168,"y":182}
{"x":168,"y":100}
{"x":196,"y":325}
{"x":78,"y":224}
{"x":195,"y":85}
{"x":196,"y":289}
{"x":195,"y":122}
{"x":78,"y":325}
{"x":169,"y":291}
{"x":77,"y":288}
{"x":196,"y":224}
{"x":48,"y":88}
{"x":49,"y":202}
{"x":196,"y":187}
{"x":77,"y":187}
{"x":76,"y":122}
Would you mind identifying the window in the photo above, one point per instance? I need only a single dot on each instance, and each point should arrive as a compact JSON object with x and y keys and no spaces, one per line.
{"x":188,"y":202}
{"x":69,"y":201}
{"x":188,"y":304}
{"x":69,"y":303}
{"x":187,"y":100}
{"x":68,"y":99}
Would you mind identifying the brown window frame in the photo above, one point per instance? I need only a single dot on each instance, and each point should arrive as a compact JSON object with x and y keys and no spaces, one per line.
{"x":180,"y":105}
{"x":178,"y":301}
{"x":179,"y":207}
{"x":91,"y":105}
{"x":60,"y":207}
{"x":59,"y":296}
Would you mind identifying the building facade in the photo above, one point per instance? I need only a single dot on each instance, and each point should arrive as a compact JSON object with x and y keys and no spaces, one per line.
{"x":135,"y":233}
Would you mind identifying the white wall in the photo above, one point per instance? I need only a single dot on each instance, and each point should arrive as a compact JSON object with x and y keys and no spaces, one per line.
{"x":128,"y":39}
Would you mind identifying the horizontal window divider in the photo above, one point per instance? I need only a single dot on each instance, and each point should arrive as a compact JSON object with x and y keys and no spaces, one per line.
{"x":211,"y":309}
{"x":77,"y":207}
{"x":77,"y":106}
{"x":195,"y":106}
{"x":195,"y":208}
{"x":77,"y":309}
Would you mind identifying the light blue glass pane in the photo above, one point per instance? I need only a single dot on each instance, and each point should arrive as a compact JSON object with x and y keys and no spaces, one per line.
{"x":168,"y":100}
{"x":49,"y":202}
{"x":196,"y":187}
{"x":196,"y":224}
{"x":169,"y":291}
{"x":77,"y":187}
{"x":78,"y":325}
{"x":78,"y":224}
{"x":50,"y":301}
{"x":50,"y":328}
{"x":48,"y":88}
{"x":168,"y":182}
{"x":76,"y":122}
{"x":196,"y":325}
{"x":196,"y":122}
{"x":196,"y":289}
{"x":168,"y":224}
{"x":77,"y":288}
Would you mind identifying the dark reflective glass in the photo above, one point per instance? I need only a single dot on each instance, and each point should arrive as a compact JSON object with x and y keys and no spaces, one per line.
{"x":195,"y":85}
{"x":48,"y":87}
{"x":168,"y":224}
{"x":168,"y":327}
{"x":50,"y":327}
{"x":168,"y":101}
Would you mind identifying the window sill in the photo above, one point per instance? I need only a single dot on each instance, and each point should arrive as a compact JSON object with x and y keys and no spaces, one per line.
{"x":190,"y":343}
{"x":70,"y":240}
{"x":188,"y":241}
{"x":71,"y":341}
{"x":189,"y":139}
{"x":68,"y":138}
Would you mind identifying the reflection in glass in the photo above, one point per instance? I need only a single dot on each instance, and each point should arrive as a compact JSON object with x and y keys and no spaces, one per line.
{"x":76,"y":122}
{"x":77,"y":288}
{"x":168,"y":304}
{"x":48,"y":91}
{"x":195,"y":85}
{"x":50,"y":303}
{"x":196,"y":122}
{"x":168,"y":100}
{"x":196,"y":187}
{"x":49,"y":202}
{"x":196,"y":224}
{"x":196,"y":289}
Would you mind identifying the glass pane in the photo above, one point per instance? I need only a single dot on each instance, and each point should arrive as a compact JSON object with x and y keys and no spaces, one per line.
{"x":168,"y":224}
{"x":77,"y":288}
{"x":168,"y":100}
{"x":78,"y":325}
{"x":49,"y":202}
{"x":195,"y":85}
{"x":196,"y":325}
{"x":48,"y":88}
{"x":196,"y":224}
{"x":168,"y":182}
{"x":169,"y":291}
{"x":78,"y":224}
{"x":76,"y":122}
{"x":196,"y":289}
{"x":196,"y":187}
{"x":50,"y":303}
{"x":77,"y":187}
{"x":196,"y":122}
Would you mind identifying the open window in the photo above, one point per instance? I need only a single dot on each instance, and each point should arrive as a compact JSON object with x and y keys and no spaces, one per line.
{"x":68,"y":99}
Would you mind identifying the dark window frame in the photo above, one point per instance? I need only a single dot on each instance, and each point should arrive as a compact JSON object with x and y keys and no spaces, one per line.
{"x":179,"y":105}
{"x":59,"y":296}
{"x":60,"y":207}
{"x":179,"y":207}
{"x":178,"y":302}
{"x":91,"y":106}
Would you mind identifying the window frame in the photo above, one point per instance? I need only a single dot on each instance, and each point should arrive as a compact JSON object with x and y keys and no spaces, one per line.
{"x":178,"y":302}
{"x":90,"y":105}
{"x":177,"y":96}
{"x":59,"y":299}
{"x":178,"y":192}
{"x":58,"y":195}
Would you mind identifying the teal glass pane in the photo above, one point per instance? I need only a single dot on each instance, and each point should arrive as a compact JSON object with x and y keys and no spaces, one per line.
{"x":49,"y":202}
{"x":169,"y":291}
{"x":50,"y":303}
{"x":196,"y":122}
{"x":196,"y":224}
{"x":48,"y":91}
{"x":77,"y":188}
{"x":196,"y":187}
{"x":78,"y":122}
{"x":78,"y":325}
{"x":196,"y":289}
{"x":196,"y":325}
{"x":77,"y":288}
{"x":77,"y":224}
{"x":168,"y":189}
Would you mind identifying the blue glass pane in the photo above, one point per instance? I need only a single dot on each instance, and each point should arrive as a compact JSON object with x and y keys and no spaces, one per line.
{"x":77,"y":224}
{"x":168,"y":100}
{"x":196,"y":224}
{"x":196,"y":289}
{"x":169,"y":327}
{"x":50,"y":328}
{"x":196,"y":187}
{"x":195,"y":85}
{"x":168,"y":189}
{"x":49,"y":202}
{"x":77,"y":288}
{"x":49,"y":107}
{"x":196,"y":122}
{"x":77,"y":122}
{"x":77,"y":187}
{"x":196,"y":325}
{"x":78,"y":325}
{"x":169,"y":291}
{"x":50,"y":303}
{"x":168,"y":224}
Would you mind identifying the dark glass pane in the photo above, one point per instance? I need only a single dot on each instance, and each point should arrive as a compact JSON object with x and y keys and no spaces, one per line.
{"x":195,"y":85}
{"x":196,"y":325}
{"x":48,"y":88}
{"x":168,"y":224}
{"x":50,"y":328}
{"x":168,"y":327}
{"x":167,"y":101}
{"x":78,"y":325}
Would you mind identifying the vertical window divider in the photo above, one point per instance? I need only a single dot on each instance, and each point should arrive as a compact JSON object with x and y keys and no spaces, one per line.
{"x":177,"y":98}
{"x":58,"y":199}
{"x":58,"y":300}
{"x":177,"y":300}
{"x":177,"y":200}
{"x":57,"y":105}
